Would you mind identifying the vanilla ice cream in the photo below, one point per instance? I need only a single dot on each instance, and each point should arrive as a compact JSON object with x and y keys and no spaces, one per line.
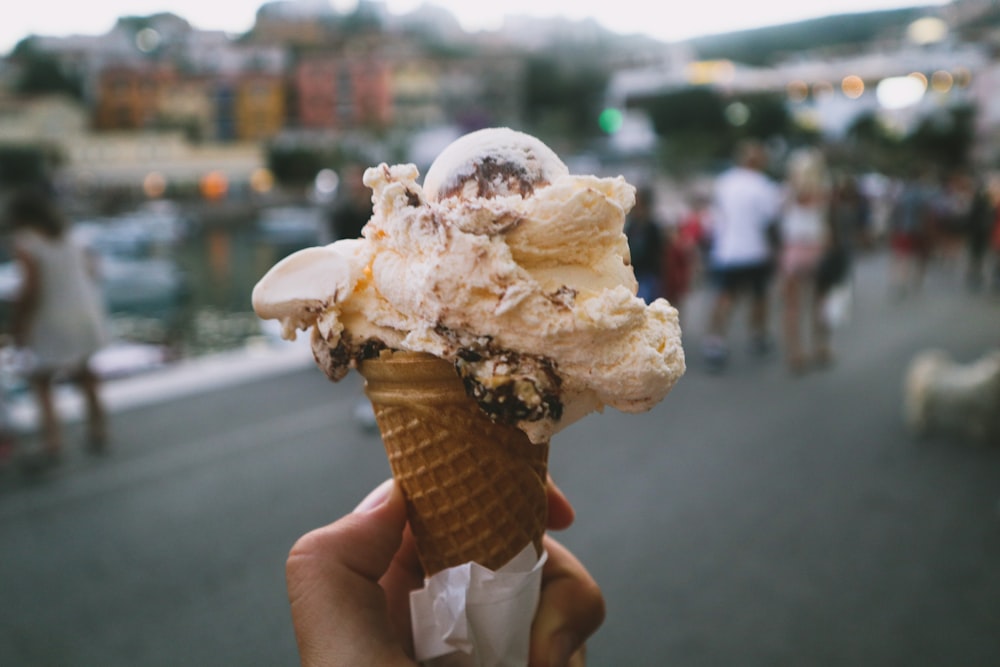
{"x":502,"y":263}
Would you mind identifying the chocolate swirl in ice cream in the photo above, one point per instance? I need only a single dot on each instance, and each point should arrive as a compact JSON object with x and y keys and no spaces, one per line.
{"x":492,"y":177}
{"x":498,"y":163}
{"x":511,"y":387}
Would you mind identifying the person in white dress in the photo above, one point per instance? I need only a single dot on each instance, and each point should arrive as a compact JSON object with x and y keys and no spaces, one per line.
{"x":58,"y":317}
{"x":805,"y":237}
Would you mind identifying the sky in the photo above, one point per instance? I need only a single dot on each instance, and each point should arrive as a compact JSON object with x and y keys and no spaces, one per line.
{"x":659,"y":19}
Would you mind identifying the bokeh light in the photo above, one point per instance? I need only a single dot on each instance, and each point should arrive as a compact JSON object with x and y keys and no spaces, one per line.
{"x":147,"y":40}
{"x":797,"y":91}
{"x":927,"y":30}
{"x":611,"y":120}
{"x":737,"y":114}
{"x":899,"y":92}
{"x":214,"y":185}
{"x":154,"y":185}
{"x":327,"y":181}
{"x":963,"y":77}
{"x":261,"y":180}
{"x":852,"y":86}
{"x":942,"y":81}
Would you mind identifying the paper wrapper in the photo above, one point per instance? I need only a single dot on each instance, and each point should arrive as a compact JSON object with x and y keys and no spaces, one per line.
{"x":476,"y":501}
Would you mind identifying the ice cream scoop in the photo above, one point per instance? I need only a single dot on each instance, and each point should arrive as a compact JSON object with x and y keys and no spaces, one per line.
{"x":505,"y":265}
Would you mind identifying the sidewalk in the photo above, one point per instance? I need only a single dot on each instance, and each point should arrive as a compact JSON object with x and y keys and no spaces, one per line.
{"x":176,"y":380}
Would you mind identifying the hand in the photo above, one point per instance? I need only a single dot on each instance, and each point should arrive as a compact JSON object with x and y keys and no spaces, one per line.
{"x":349,"y":585}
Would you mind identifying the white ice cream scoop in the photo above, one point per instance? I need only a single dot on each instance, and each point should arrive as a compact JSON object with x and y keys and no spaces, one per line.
{"x":493,"y":162}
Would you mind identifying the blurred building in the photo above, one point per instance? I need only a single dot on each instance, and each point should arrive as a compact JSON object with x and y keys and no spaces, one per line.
{"x":83,"y":160}
{"x":130,"y":97}
{"x":335,"y":91}
{"x":258,"y":105}
{"x":900,"y":79}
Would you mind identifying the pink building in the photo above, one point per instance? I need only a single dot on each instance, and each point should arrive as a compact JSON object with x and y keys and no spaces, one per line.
{"x":343,"y":92}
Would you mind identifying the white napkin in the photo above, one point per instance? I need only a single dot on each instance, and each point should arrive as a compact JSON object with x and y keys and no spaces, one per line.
{"x":471,"y":616}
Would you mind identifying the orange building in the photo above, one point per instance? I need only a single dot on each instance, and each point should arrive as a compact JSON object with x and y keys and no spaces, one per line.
{"x":335,"y":92}
{"x":128,"y":97}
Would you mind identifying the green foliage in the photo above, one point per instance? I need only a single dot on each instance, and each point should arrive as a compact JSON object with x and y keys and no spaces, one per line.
{"x":22,"y":164}
{"x":696,"y":132}
{"x":945,"y":137}
{"x":297,"y":164}
{"x":40,"y":73}
{"x":768,"y":116}
{"x":294,"y":165}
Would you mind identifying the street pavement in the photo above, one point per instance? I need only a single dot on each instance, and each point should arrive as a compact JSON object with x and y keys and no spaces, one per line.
{"x":752,"y":519}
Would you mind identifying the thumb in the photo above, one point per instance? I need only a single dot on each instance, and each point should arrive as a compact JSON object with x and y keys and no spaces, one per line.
{"x":338,"y":608}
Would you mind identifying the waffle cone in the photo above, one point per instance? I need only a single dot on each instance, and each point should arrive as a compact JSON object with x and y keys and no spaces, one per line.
{"x":475,"y":489}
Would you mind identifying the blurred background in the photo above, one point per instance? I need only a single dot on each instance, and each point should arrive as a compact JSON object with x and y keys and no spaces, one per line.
{"x":753,"y":518}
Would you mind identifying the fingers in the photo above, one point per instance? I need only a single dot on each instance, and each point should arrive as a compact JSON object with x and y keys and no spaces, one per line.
{"x":338,"y":608}
{"x":571,"y":609}
{"x":404,"y":575}
{"x":561,"y":513}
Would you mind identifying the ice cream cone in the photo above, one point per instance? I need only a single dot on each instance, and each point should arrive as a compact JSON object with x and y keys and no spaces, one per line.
{"x":475,"y":489}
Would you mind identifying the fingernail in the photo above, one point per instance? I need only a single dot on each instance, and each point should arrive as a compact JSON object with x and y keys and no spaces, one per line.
{"x":376,"y":498}
{"x":562,"y":648}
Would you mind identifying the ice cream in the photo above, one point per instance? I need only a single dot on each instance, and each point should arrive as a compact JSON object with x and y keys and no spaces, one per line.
{"x":505,"y":265}
{"x":487,"y":309}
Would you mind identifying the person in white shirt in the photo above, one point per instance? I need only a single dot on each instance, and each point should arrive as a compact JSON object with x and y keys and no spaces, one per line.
{"x":746,"y":204}
{"x":58,"y":317}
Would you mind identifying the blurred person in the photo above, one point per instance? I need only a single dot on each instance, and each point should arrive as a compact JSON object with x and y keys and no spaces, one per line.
{"x":909,"y":234}
{"x":683,"y":250}
{"x":805,"y":239}
{"x":981,"y":214}
{"x":849,"y":228}
{"x":58,"y":316}
{"x":349,"y":585}
{"x":955,"y":207}
{"x":645,"y":242}
{"x":745,"y":206}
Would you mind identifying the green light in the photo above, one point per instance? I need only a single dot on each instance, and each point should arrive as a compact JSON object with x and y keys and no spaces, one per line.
{"x":611,"y":120}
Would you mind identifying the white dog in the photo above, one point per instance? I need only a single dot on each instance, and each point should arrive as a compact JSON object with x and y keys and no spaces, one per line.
{"x":942,"y":396}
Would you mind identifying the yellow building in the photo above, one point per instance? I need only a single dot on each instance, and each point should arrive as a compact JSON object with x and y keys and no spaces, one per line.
{"x":258,"y":106}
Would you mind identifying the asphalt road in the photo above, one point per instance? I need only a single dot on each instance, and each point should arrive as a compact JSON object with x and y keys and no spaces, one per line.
{"x":751,"y":519}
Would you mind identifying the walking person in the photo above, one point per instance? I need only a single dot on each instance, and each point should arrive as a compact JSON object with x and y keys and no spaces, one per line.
{"x":909,"y":241}
{"x":981,"y":214}
{"x":745,"y":206}
{"x":645,"y":243}
{"x":58,"y":317}
{"x":805,"y":237}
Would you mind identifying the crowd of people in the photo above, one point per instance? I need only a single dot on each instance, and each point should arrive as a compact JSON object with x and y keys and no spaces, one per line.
{"x":784,"y":231}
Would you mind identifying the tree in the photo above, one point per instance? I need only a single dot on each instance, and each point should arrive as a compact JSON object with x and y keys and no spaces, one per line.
{"x":945,"y":137}
{"x":41,"y":73}
{"x":692,"y":125}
